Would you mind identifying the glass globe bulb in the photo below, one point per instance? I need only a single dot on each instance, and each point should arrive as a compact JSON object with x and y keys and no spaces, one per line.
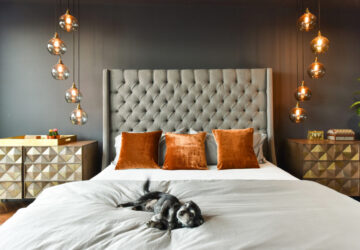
{"x":60,"y":71}
{"x":68,"y":22}
{"x":307,"y":21}
{"x":73,"y":95}
{"x":78,"y":116}
{"x":320,"y":44}
{"x":316,"y":70}
{"x":56,"y":46}
{"x":303,"y":93}
{"x":297,"y":114}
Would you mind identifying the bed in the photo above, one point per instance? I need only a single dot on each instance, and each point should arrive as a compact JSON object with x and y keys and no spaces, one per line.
{"x":263,"y":208}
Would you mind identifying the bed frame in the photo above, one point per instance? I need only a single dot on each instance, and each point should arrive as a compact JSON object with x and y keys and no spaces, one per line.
{"x":204,"y":99}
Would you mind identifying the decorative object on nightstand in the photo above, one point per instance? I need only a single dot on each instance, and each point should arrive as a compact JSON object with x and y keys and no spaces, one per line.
{"x":341,"y":134}
{"x":315,"y":135}
{"x":26,"y":170}
{"x":334,"y":164}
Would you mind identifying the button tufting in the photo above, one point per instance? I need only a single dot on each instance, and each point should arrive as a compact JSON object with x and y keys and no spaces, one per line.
{"x":153,"y":104}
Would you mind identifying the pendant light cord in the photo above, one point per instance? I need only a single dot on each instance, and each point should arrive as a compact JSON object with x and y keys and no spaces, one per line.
{"x":56,"y":1}
{"x":297,"y":56}
{"x":78,"y":10}
{"x":302,"y":52}
{"x":74,"y":50}
{"x":302,"y":48}
{"x":319,"y":12}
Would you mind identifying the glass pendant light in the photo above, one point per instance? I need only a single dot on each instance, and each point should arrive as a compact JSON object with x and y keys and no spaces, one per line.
{"x":307,"y":21}
{"x":316,"y":70}
{"x":297,"y":114}
{"x":303,"y":93}
{"x":73,"y":95}
{"x":320,"y":44}
{"x":78,"y":116}
{"x":56,"y":46}
{"x":60,"y":71}
{"x":68,"y":22}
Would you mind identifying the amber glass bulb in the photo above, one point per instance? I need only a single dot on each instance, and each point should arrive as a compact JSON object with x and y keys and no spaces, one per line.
{"x":303,"y":93}
{"x":316,"y":70}
{"x":307,"y":21}
{"x":68,"y":22}
{"x":320,"y":44}
{"x":56,"y":46}
{"x":60,"y":71}
{"x":73,"y":95}
{"x":78,"y":116}
{"x":297,"y":114}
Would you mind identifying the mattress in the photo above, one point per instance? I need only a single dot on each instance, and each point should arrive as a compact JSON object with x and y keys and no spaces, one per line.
{"x":267,"y":171}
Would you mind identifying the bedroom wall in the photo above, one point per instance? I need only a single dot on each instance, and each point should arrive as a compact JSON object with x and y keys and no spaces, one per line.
{"x":120,"y":34}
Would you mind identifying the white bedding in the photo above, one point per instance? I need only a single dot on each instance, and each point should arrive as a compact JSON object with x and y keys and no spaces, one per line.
{"x":267,"y":171}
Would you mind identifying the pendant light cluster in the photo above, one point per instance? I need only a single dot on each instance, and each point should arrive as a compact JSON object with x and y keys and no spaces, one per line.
{"x":59,"y":71}
{"x":316,"y":70}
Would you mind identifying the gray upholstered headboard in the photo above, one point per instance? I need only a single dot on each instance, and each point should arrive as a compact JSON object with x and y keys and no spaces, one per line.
{"x":147,"y":100}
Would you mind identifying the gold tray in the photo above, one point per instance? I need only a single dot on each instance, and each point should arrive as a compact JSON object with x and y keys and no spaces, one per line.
{"x":36,"y":140}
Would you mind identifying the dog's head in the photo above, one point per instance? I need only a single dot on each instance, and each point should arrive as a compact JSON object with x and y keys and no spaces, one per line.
{"x":189,"y":215}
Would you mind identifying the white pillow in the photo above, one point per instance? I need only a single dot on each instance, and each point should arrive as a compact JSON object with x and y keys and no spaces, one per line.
{"x":211,"y":147}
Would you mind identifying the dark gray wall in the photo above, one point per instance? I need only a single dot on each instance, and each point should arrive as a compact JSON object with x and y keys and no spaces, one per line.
{"x":172,"y":35}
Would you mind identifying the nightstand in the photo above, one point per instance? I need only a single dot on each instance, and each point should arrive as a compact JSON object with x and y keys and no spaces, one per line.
{"x":334,"y":164}
{"x":26,"y":171}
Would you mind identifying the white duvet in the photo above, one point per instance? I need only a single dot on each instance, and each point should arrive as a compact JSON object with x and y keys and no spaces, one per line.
{"x":239,"y":214}
{"x":262,"y":208}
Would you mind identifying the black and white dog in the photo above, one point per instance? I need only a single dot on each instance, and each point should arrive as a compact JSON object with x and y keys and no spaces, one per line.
{"x":170,"y":213}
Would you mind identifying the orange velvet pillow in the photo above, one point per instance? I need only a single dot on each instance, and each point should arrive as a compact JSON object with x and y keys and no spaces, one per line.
{"x":185,"y":151}
{"x":139,"y":150}
{"x":235,"y":148}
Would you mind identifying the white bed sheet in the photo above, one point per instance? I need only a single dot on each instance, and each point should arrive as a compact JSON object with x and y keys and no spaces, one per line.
{"x":267,"y":171}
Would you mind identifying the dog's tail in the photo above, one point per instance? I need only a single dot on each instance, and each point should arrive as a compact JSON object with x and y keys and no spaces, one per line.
{"x":146,"y":186}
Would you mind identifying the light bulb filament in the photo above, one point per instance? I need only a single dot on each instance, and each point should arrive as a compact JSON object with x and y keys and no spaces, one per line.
{"x":68,"y":20}
{"x":78,"y":113}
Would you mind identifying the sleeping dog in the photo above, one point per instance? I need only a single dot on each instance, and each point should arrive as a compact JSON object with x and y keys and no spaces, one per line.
{"x":170,"y":213}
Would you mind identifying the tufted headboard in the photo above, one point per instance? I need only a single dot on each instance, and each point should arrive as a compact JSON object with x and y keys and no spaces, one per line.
{"x":148,"y":100}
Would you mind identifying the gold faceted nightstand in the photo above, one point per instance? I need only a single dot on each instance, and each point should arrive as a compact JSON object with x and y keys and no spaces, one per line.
{"x":26,"y":171}
{"x":332,"y":163}
{"x":10,"y":172}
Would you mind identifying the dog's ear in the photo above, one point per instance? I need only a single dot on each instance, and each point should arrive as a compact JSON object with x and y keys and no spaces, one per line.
{"x":200,"y":220}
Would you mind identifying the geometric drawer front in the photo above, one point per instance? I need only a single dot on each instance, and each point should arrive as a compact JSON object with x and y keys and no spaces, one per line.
{"x":331,"y":169}
{"x":10,"y":155}
{"x":10,"y":172}
{"x":326,"y":152}
{"x":11,"y":190}
{"x":53,"y":172}
{"x":55,"y":154}
{"x":33,"y":189}
{"x":346,"y":186}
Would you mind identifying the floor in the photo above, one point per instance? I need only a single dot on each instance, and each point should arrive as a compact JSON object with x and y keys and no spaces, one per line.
{"x":8,"y":208}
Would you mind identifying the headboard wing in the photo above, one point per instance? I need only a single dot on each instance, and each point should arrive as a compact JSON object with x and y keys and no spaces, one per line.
{"x":204,"y":99}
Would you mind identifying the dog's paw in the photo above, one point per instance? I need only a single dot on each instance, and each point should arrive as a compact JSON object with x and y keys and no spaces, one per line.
{"x":150,"y":223}
{"x":171,"y":226}
{"x":156,"y":224}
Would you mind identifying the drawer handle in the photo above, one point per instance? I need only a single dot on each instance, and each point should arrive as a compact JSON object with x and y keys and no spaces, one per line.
{"x":68,"y":139}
